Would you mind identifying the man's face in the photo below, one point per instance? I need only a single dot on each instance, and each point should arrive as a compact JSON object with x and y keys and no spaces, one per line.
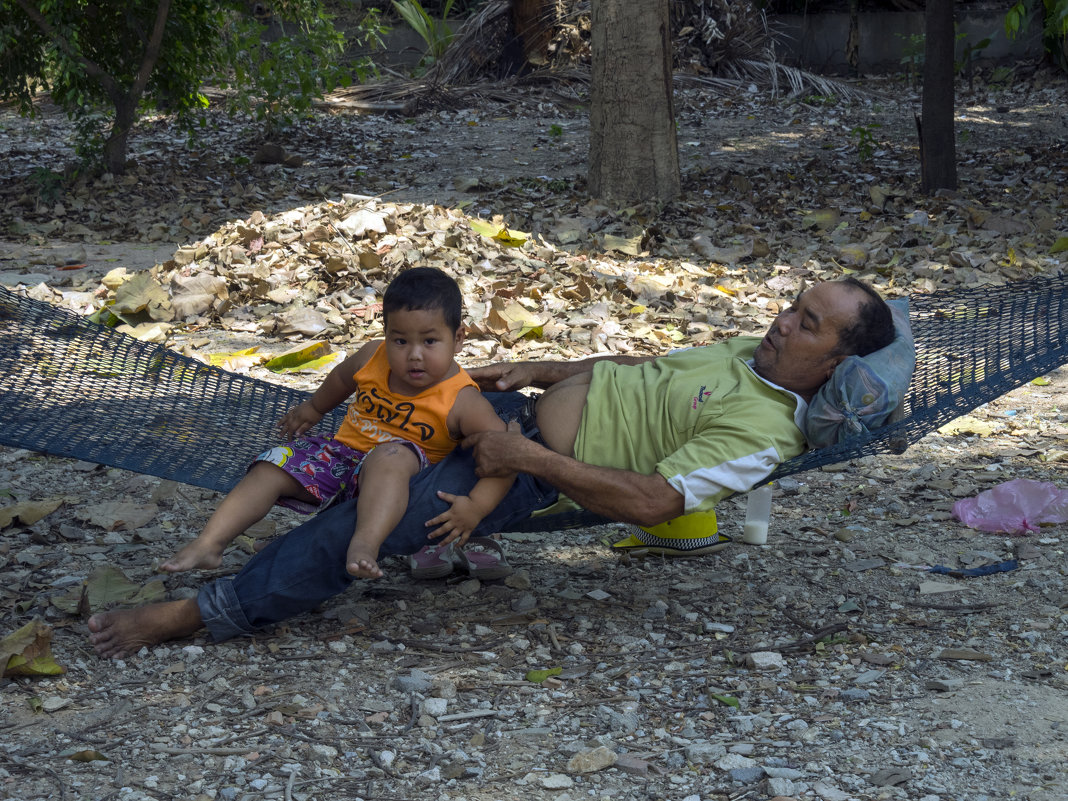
{"x":796,"y":353}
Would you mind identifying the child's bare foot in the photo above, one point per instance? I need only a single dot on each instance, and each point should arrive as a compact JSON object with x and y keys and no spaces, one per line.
{"x":120,"y":633}
{"x":198,"y":553}
{"x":362,"y":561}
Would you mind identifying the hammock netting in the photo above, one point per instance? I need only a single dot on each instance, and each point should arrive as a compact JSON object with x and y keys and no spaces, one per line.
{"x":77,"y":389}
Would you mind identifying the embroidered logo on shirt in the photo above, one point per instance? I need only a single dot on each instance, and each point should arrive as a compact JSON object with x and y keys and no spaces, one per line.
{"x":699,"y":397}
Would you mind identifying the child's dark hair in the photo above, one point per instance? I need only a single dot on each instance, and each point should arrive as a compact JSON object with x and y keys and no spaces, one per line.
{"x":424,"y":289}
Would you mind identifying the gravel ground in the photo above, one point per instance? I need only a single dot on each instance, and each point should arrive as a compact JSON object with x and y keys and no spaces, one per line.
{"x":827,"y":664}
{"x":820,"y":665}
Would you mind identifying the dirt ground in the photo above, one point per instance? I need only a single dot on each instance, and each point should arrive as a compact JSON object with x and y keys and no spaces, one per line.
{"x":827,"y":664}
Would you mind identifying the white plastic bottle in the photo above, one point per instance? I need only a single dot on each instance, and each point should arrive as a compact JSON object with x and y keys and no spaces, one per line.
{"x":757,"y":515}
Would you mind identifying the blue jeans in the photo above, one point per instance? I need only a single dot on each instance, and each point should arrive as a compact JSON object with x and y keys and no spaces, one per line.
{"x":305,"y":567}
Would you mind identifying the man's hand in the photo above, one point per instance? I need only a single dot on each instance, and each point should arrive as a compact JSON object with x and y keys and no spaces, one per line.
{"x":503,"y":376}
{"x":458,"y":521}
{"x":498,"y":454}
{"x":298,"y":420}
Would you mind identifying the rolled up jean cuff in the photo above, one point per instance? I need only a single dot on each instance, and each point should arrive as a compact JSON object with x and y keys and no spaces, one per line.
{"x":221,"y":612}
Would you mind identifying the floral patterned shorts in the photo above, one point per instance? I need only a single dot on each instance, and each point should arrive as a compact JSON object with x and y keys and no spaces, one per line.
{"x":327,"y":469}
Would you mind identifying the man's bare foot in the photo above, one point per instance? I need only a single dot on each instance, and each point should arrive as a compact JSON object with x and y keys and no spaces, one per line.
{"x":120,"y":633}
{"x":198,"y":553}
{"x":361,"y":561}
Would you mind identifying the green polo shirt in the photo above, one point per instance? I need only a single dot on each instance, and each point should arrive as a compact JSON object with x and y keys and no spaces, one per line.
{"x":699,"y":417}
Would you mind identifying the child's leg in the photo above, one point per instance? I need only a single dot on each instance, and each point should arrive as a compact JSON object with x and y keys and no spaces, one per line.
{"x":246,"y":503}
{"x":383,"y":483}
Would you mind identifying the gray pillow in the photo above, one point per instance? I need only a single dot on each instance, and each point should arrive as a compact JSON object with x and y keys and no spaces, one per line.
{"x":864,"y":391}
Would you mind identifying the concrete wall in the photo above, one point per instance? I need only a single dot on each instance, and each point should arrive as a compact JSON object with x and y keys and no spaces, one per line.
{"x":818,"y":41}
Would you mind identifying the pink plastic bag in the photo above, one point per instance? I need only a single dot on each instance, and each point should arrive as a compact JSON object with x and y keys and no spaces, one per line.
{"x":1015,"y":507}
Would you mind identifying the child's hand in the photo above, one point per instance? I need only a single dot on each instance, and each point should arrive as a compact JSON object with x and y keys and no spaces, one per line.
{"x":298,"y":420}
{"x":458,"y":521}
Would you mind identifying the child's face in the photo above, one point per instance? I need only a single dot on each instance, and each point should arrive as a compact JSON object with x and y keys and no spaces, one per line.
{"x":420,"y":348}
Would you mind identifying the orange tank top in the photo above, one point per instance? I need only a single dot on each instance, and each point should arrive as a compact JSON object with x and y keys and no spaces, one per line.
{"x":376,"y":415}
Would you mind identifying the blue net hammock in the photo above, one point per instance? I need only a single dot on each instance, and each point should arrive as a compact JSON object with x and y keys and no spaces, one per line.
{"x":77,"y":389}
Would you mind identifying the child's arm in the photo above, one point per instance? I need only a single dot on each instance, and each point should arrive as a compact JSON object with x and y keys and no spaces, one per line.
{"x":473,"y":413}
{"x":336,"y":387}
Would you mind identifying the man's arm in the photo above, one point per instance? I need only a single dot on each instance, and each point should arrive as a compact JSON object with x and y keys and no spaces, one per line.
{"x":470,"y":414}
{"x":503,"y":376}
{"x":622,"y":495}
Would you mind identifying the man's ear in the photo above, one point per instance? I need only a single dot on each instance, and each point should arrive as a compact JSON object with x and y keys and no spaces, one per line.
{"x":458,"y":340}
{"x":834,"y":362}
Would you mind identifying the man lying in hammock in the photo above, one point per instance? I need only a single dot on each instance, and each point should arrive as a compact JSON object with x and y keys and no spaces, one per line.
{"x":636,"y":439}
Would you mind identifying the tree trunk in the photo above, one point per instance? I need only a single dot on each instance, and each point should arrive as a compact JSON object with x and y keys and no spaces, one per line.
{"x":634,"y":155}
{"x":938,"y":153}
{"x":534,"y":21}
{"x":119,"y":138}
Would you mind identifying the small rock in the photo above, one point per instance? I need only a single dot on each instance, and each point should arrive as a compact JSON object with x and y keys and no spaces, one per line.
{"x":704,"y":753}
{"x":524,"y":602}
{"x":658,"y":611}
{"x":854,"y":694}
{"x":51,"y":703}
{"x":418,"y":681}
{"x":881,"y":660}
{"x":469,"y":587}
{"x":736,"y":761}
{"x":764,"y":660}
{"x":943,"y":685}
{"x":829,"y":792}
{"x":536,"y":733}
{"x":591,"y":760}
{"x":624,"y":720}
{"x":869,"y":676}
{"x":435,"y":707}
{"x":432,"y":776}
{"x":746,"y":775}
{"x":519,"y":580}
{"x":780,"y":787}
{"x":443,"y":688}
{"x":556,"y":781}
{"x":889,"y":777}
{"x":964,"y":654}
{"x":788,"y":486}
{"x":628,"y":763}
{"x":783,"y":773}
{"x":452,"y":770}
